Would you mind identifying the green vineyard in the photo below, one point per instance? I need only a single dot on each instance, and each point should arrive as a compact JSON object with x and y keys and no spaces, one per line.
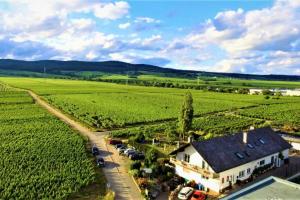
{"x":41,"y":157}
{"x":112,"y":106}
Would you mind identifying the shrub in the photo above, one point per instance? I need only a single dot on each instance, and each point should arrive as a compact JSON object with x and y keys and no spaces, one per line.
{"x":135,"y":165}
{"x":151,"y":157}
{"x":143,"y":182}
{"x":135,"y":173}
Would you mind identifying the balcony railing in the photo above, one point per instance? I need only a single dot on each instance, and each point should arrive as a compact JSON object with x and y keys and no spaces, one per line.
{"x":194,"y":168}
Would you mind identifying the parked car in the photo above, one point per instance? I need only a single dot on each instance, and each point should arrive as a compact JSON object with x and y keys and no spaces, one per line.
{"x":95,"y":151}
{"x":198,"y":195}
{"x":137,"y":156}
{"x":185,"y":193}
{"x":100,"y":162}
{"x":129,"y":151}
{"x":121,"y":149}
{"x":114,"y":142}
{"x":119,"y":146}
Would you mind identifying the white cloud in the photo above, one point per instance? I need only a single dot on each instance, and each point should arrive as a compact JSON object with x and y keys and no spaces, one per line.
{"x":124,"y":26}
{"x":148,"y":20}
{"x":274,"y":28}
{"x":111,"y":11}
{"x":242,"y":33}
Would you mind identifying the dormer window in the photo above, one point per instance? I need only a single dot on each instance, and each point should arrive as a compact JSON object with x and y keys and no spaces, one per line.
{"x":240,"y":156}
{"x":261,"y":141}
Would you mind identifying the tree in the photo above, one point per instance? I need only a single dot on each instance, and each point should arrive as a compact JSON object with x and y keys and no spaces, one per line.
{"x":267,"y":92}
{"x":151,"y":157}
{"x":186,"y":114}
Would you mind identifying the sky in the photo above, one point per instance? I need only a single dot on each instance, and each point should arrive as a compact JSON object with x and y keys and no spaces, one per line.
{"x":242,"y":36}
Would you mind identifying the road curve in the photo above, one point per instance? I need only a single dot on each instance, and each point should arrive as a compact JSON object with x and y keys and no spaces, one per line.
{"x":117,"y":177}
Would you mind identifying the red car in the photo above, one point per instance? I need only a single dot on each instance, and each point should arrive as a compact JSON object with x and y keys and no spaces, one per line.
{"x":114,"y":142}
{"x":198,"y":195}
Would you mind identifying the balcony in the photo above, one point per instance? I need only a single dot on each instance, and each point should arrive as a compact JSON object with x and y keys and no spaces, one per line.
{"x":194,"y":168}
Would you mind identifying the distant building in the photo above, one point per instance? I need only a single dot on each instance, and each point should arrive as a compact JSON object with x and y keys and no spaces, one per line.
{"x":221,"y":162}
{"x":284,"y":92}
{"x":255,"y":91}
{"x":292,"y":93}
{"x":269,"y":188}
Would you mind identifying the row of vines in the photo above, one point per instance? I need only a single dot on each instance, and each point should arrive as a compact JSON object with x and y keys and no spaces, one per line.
{"x":41,"y":157}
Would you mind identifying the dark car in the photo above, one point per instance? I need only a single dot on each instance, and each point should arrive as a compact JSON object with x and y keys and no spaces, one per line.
{"x":95,"y":151}
{"x":114,"y":142}
{"x":119,"y":146}
{"x":100,"y":162}
{"x":137,"y":156}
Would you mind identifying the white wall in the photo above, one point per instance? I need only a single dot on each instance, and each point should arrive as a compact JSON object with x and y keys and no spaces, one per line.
{"x":292,"y":93}
{"x":254,"y":91}
{"x":234,"y":173}
{"x":212,"y":184}
{"x":195,"y":157}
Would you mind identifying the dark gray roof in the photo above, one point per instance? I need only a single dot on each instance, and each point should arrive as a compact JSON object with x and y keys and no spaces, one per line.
{"x":220,"y":152}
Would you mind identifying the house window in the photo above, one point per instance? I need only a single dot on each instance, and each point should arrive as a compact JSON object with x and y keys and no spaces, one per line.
{"x":222,"y":180}
{"x":241,"y":174}
{"x":203,"y":164}
{"x":227,"y":178}
{"x":248,"y":171}
{"x":186,"y":157}
{"x":272,"y":159}
{"x":262,"y":162}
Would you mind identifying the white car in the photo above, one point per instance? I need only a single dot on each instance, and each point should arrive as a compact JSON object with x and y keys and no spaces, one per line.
{"x":128,"y":149}
{"x":185,"y":193}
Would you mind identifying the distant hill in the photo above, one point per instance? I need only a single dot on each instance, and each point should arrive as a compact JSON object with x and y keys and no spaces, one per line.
{"x":115,"y":67}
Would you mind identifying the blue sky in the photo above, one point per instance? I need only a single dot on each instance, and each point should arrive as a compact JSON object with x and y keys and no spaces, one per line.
{"x":245,"y":36}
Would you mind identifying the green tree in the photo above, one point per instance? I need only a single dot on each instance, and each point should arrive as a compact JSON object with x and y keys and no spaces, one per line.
{"x":267,"y":92}
{"x":150,"y":157}
{"x":186,"y":114}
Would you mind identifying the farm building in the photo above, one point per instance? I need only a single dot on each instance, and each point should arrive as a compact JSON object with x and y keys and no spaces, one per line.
{"x":221,"y":162}
{"x":284,"y":92}
{"x":292,"y":93}
{"x":255,"y":91}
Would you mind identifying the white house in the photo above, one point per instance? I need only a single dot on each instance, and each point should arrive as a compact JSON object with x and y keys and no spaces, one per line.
{"x":292,"y":93}
{"x":255,"y":91}
{"x":220,"y":162}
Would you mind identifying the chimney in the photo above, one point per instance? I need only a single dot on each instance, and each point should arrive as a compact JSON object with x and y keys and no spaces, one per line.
{"x":245,"y":137}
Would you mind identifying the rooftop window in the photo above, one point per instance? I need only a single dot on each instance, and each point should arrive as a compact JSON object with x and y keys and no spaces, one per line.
{"x":250,"y":146}
{"x":261,"y":141}
{"x":240,"y":156}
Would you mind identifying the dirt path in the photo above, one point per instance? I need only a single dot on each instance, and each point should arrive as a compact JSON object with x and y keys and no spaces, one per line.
{"x":115,"y":172}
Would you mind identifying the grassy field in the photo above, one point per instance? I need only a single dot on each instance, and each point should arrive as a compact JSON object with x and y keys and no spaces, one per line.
{"x":106,"y":105}
{"x":41,"y":157}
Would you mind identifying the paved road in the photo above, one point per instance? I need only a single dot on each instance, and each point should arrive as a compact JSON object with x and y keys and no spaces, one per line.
{"x":117,"y":177}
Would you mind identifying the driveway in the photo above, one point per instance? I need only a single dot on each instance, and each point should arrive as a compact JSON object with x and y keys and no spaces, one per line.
{"x":117,"y":177}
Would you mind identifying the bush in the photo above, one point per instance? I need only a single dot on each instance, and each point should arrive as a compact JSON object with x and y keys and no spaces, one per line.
{"x":143,"y":183}
{"x":151,"y":157}
{"x":136,"y":165}
{"x":110,"y":195}
{"x":135,"y":173}
{"x":139,"y":138}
